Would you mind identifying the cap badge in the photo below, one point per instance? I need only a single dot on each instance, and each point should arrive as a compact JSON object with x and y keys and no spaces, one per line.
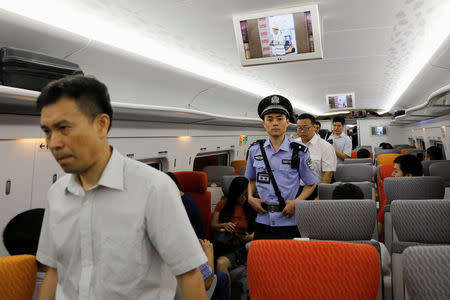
{"x":275,"y":100}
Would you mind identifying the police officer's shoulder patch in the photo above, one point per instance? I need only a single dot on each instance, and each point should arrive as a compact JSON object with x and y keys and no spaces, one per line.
{"x":309,"y":163}
{"x":258,"y":157}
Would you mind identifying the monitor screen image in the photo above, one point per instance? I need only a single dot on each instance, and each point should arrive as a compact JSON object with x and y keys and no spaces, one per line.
{"x":279,"y":36}
{"x":379,"y":130}
{"x":341,"y":101}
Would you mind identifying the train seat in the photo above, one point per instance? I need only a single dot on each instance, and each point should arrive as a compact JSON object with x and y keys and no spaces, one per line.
{"x":420,"y":154}
{"x":17,"y":277}
{"x":403,"y":151}
{"x":386,"y":158}
{"x":427,"y":163}
{"x":354,"y":172}
{"x":316,"y":270}
{"x":357,"y":161}
{"x":418,"y":222}
{"x":215,"y":174}
{"x":421,"y":263}
{"x":401,"y":146}
{"x":226,"y":182}
{"x":401,"y":188}
{"x":354,"y":155}
{"x":196,"y":183}
{"x":242,"y":171}
{"x":237,"y":165}
{"x":326,"y":190}
{"x":441,"y":169}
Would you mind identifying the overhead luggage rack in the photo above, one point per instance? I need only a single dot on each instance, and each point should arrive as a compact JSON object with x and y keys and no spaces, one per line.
{"x":22,"y":102}
{"x":437,"y":105}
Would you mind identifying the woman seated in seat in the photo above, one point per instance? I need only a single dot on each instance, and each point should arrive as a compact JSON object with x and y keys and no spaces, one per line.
{"x":234,"y":216}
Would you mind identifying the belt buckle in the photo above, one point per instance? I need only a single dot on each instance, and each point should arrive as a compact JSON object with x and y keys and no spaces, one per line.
{"x":273,"y":208}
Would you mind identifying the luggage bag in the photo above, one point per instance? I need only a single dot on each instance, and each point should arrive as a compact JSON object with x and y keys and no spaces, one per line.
{"x":31,"y":70}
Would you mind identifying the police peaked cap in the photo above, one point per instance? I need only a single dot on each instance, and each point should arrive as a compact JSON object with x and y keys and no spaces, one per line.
{"x":276,"y":104}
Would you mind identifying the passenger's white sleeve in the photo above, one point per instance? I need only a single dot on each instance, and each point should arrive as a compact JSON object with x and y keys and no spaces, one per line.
{"x":329,"y":160}
{"x":46,"y":253}
{"x":169,"y":229}
{"x":348,"y":146}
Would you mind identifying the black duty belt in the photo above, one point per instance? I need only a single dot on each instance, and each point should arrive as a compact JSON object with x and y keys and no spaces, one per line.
{"x":274,"y":208}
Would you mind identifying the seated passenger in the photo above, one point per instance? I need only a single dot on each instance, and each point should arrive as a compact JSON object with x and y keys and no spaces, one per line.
{"x":191,"y":209}
{"x":404,"y":166}
{"x":234,"y":215}
{"x":387,"y":146}
{"x":21,"y":236}
{"x":433,"y":153}
{"x":363,"y":153}
{"x":347,"y":191}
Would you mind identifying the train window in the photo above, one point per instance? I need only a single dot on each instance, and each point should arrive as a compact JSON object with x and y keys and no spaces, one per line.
{"x":211,"y":159}
{"x":156,"y":163}
{"x":420,"y":144}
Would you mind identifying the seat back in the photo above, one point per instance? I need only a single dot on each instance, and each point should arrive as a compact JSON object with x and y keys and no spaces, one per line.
{"x":420,"y":154}
{"x":237,"y":165}
{"x":358,"y":161}
{"x":215,"y":173}
{"x":404,"y":150}
{"x":426,"y":272}
{"x":401,"y":146}
{"x":17,"y":277}
{"x":427,"y":163}
{"x":326,"y":190}
{"x":353,"y":172}
{"x":386,"y":158}
{"x":226,"y":182}
{"x":242,"y":171}
{"x":441,"y":169}
{"x":368,"y":147}
{"x":386,"y":151}
{"x":416,"y":187}
{"x":196,"y":184}
{"x":289,"y":269}
{"x":344,"y":220}
{"x":422,"y":221}
{"x":324,"y":133}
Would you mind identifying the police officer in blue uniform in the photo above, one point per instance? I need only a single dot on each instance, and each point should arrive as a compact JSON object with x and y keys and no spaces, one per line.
{"x":289,"y":162}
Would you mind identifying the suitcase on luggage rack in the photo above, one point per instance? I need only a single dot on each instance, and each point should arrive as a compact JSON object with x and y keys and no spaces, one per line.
{"x":30,"y":70}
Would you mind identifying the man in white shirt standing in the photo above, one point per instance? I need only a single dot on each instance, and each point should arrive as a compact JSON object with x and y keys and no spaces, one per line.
{"x":114,"y":228}
{"x":342,"y":143}
{"x":322,"y":153}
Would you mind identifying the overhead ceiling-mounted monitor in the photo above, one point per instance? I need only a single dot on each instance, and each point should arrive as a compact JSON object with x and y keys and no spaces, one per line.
{"x":278,"y":35}
{"x":341,"y":101}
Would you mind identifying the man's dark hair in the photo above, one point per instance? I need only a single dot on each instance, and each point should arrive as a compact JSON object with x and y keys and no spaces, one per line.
{"x":307,"y":116}
{"x":363,"y":153}
{"x":317,"y":123}
{"x":409,"y":164}
{"x":175,"y":179}
{"x":387,"y":146}
{"x":382,"y":144}
{"x":339,"y":119}
{"x":347,"y":191}
{"x":434,"y":153}
{"x":90,"y":95}
{"x":21,"y":234}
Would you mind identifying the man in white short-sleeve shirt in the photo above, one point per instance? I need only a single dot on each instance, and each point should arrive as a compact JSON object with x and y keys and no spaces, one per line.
{"x":322,"y":153}
{"x":341,"y":142}
{"x":114,"y":228}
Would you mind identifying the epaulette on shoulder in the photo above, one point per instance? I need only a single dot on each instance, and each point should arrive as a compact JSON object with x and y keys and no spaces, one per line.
{"x":299,"y":146}
{"x":256,"y":142}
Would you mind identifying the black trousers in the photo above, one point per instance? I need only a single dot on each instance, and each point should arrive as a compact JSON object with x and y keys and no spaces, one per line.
{"x":266,"y":232}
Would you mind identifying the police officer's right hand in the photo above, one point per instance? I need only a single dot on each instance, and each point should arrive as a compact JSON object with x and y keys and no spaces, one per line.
{"x":256,"y":204}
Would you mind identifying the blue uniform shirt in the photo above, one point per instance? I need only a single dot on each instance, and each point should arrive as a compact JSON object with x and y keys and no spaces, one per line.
{"x":287,"y":178}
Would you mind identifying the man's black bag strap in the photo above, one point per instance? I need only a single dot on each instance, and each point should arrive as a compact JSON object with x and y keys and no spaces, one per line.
{"x":269,"y":170}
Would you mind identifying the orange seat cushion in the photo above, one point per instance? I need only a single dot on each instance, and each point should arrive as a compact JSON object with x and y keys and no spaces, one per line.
{"x":288,"y":269}
{"x":17,"y":277}
{"x":237,"y":165}
{"x":386,"y":158}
